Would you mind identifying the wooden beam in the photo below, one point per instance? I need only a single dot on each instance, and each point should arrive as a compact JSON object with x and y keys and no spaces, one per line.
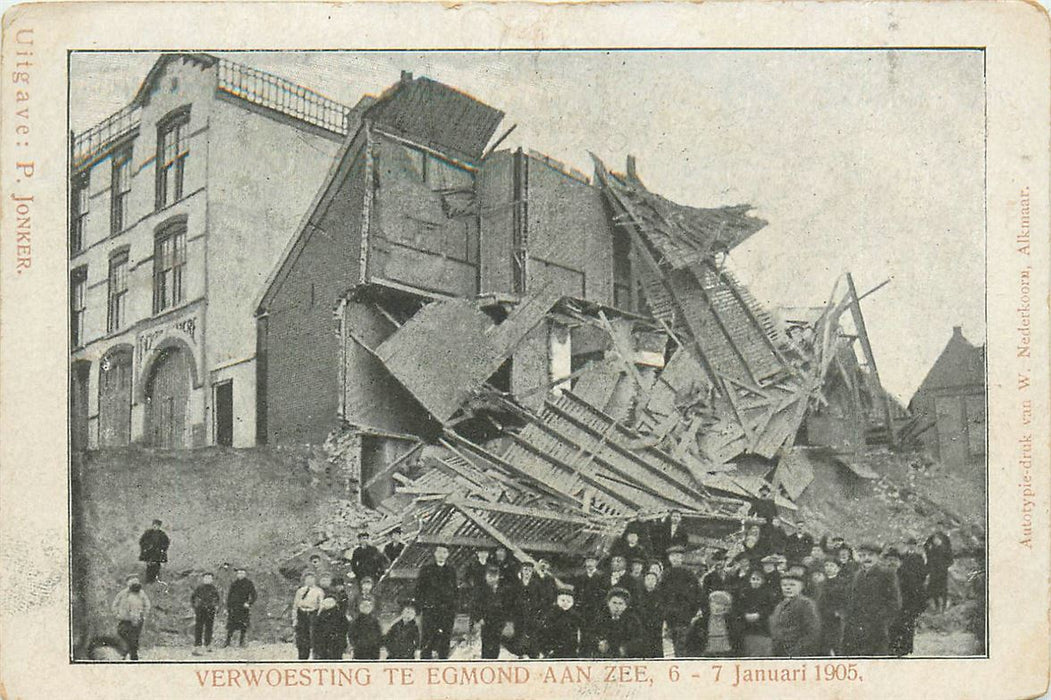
{"x":375,"y":477}
{"x":863,"y":336}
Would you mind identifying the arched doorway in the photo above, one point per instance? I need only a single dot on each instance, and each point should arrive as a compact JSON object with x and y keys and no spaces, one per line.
{"x":80,"y":373}
{"x":167,"y":391}
{"x":115,"y":398}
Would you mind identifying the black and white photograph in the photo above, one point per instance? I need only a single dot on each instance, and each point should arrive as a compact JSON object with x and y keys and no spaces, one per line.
{"x":527,"y":354}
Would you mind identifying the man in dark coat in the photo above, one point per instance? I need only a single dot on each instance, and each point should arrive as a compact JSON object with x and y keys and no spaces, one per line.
{"x":717,"y":579}
{"x":330,"y":631}
{"x":205,"y":603}
{"x":393,"y":549}
{"x":239,"y":601}
{"x":912,"y":577}
{"x":939,"y":558}
{"x":153,"y":549}
{"x":669,"y":532}
{"x":649,"y":611}
{"x":367,"y":560}
{"x":630,"y":546}
{"x":680,"y":599}
{"x":764,"y":507}
{"x":590,"y":600}
{"x":617,"y":631}
{"x":364,"y":632}
{"x":561,"y":631}
{"x":795,"y":626}
{"x":875,"y":600}
{"x":473,"y":578}
{"x":530,"y":596}
{"x":832,"y":606}
{"x":436,"y":598}
{"x":492,"y":606}
{"x":507,"y":563}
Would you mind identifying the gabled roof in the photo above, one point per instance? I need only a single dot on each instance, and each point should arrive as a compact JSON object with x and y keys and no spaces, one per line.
{"x":960,"y":364}
{"x":437,"y":116}
{"x":143,"y":94}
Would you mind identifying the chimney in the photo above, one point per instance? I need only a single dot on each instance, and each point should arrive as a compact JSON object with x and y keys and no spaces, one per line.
{"x":957,"y":331}
{"x":406,"y":76}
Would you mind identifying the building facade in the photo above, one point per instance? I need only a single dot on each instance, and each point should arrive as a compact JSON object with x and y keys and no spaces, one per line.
{"x":418,"y":208}
{"x":950,"y":406}
{"x":180,"y":205}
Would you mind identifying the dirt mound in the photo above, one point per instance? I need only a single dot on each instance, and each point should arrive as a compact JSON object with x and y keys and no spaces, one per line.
{"x":222,"y":508}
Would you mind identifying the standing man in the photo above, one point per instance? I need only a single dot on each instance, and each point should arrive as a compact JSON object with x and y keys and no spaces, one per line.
{"x":131,"y":607}
{"x":795,"y":626}
{"x":473,"y":578}
{"x":205,"y":603}
{"x":436,"y":598}
{"x":939,"y":558}
{"x":305,"y":607}
{"x":239,"y":601}
{"x":393,"y":549}
{"x":591,"y":589}
{"x":874,"y":603}
{"x":491,"y":608}
{"x":153,"y":549}
{"x":912,"y":577}
{"x":367,"y":560}
{"x":669,"y":532}
{"x":681,"y":599}
{"x":529,"y":607}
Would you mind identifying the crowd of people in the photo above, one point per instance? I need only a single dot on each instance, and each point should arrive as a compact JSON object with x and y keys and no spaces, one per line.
{"x":773,"y":594}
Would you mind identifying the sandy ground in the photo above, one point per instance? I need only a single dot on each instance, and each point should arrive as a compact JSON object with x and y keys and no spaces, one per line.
{"x":927,"y":644}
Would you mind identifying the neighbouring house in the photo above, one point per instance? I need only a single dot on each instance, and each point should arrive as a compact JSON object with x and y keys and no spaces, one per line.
{"x":180,"y":205}
{"x":416,"y":209}
{"x":949,"y":406}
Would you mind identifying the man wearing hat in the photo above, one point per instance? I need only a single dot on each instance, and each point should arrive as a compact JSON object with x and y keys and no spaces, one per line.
{"x":590,"y":601}
{"x":630,"y":546}
{"x":393,"y":549}
{"x":436,"y":597}
{"x":367,"y":560}
{"x":795,"y":626}
{"x":718,"y":579}
{"x":875,"y":601}
{"x":528,"y":611}
{"x":617,"y":631}
{"x":131,"y":608}
{"x":561,"y":629}
{"x":680,"y":598}
{"x":492,"y":610}
{"x":771,"y":576}
{"x":473,"y":577}
{"x":669,"y":532}
{"x":912,"y":580}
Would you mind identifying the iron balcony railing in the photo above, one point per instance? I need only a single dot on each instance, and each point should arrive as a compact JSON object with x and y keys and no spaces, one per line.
{"x":88,"y":143}
{"x":283,"y":96}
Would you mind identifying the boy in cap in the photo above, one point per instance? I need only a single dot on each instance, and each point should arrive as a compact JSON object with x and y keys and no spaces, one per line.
{"x":528,"y":609}
{"x":365,"y":634}
{"x":305,"y":606}
{"x":131,"y":607}
{"x":912,"y":580}
{"x":393,"y":549}
{"x":493,"y":609}
{"x":239,"y":601}
{"x":680,"y":598}
{"x":795,"y":626}
{"x":617,"y":630}
{"x":403,"y":638}
{"x":875,"y":600}
{"x":832,"y":606}
{"x":561,"y":631}
{"x":473,"y":578}
{"x":436,"y":594}
{"x":649,"y":610}
{"x":205,"y":603}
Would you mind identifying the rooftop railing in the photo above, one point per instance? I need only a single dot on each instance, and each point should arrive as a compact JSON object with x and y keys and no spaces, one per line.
{"x":88,"y":143}
{"x":283,"y":96}
{"x":249,"y":84}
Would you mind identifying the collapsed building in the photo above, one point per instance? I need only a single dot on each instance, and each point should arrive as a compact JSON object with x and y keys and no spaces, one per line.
{"x":530,"y":358}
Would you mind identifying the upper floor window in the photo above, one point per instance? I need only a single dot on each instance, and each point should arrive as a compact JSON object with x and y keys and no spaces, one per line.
{"x":118,"y":292}
{"x":169,"y":261}
{"x":78,"y":211}
{"x":78,"y":287}
{"x":120,"y":191}
{"x":173,"y":148}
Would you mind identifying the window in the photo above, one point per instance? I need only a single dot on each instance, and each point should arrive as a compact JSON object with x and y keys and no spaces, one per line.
{"x":169,"y":260}
{"x":78,"y":212}
{"x":172,"y":151}
{"x":120,"y":189}
{"x":118,"y":292}
{"x":78,"y":286}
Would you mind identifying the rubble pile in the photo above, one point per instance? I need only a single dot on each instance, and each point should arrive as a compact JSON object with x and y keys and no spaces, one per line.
{"x":552,"y":421}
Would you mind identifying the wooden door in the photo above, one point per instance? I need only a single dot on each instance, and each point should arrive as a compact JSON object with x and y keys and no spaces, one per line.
{"x":115,"y":400}
{"x":167,"y":396}
{"x":224,"y":414}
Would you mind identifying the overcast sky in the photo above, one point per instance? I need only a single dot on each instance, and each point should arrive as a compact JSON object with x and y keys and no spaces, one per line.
{"x":867,"y":161}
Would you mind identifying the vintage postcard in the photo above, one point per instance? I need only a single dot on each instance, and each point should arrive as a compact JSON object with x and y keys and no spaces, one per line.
{"x":523,"y":350}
